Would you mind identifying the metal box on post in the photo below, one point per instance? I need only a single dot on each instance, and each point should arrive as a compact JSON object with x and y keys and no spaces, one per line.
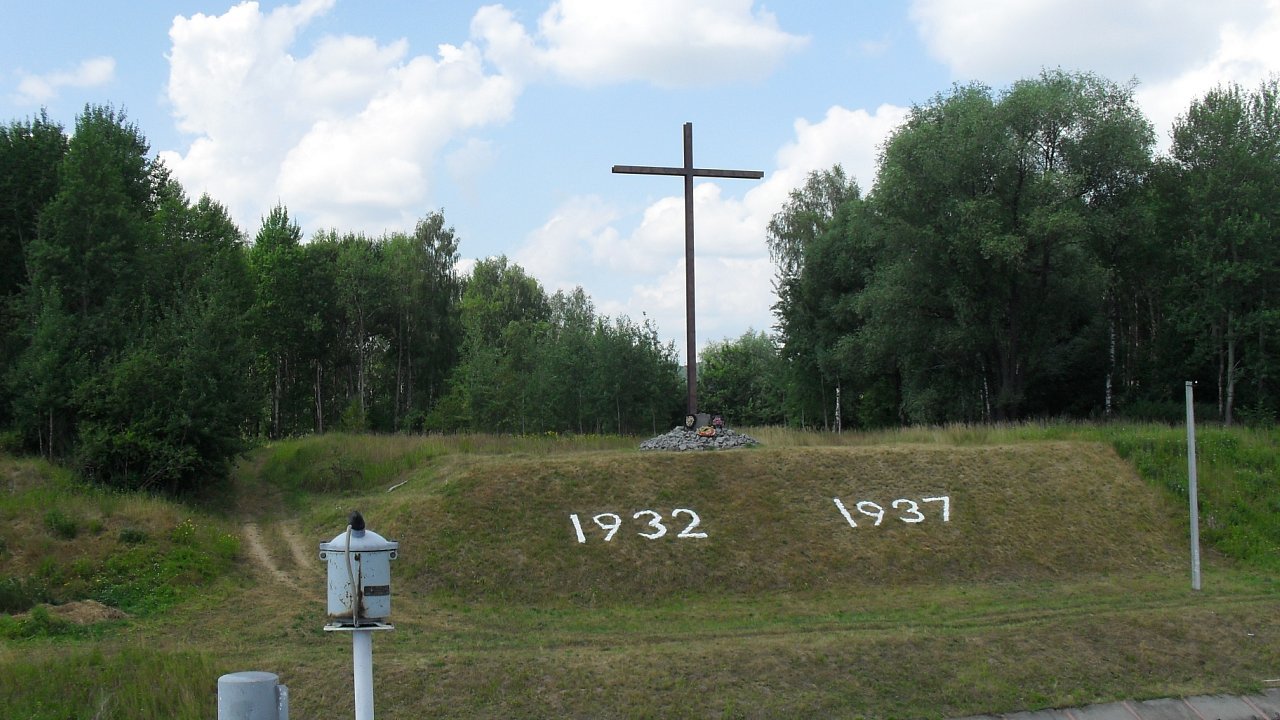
{"x":359,"y":564}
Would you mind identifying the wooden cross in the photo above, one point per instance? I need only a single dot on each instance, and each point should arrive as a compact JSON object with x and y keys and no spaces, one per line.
{"x":689,"y":172}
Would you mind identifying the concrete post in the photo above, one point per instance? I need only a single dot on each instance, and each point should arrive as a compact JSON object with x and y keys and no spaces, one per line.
{"x":1192,"y":490}
{"x":252,"y":695}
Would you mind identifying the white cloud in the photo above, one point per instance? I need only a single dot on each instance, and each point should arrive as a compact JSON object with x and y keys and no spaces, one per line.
{"x":1176,"y":49}
{"x":658,"y":238}
{"x":1005,"y":40}
{"x":1246,"y":54}
{"x":669,"y":43}
{"x":852,"y":138}
{"x":377,"y":161}
{"x":642,"y":272}
{"x":351,"y":133}
{"x":346,"y":136}
{"x":561,"y":252}
{"x":94,"y":72}
{"x":506,"y":42}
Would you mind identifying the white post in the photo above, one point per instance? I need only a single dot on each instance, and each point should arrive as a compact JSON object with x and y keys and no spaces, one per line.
{"x":252,"y":695}
{"x":359,"y":598}
{"x":1192,"y":490}
{"x":362,"y":662}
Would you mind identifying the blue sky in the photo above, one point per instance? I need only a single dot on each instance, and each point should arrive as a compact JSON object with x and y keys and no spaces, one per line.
{"x":367,"y":116}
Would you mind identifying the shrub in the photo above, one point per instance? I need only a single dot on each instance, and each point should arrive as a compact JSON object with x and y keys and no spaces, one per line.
{"x":11,"y":441}
{"x":184,"y":533}
{"x":133,"y":536}
{"x":61,"y":524}
{"x":226,"y":546}
{"x":38,"y":623}
{"x":19,"y":595}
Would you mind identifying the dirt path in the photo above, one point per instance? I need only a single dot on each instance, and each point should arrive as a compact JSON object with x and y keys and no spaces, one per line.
{"x":273,"y":545}
{"x":300,"y":570}
{"x":261,"y":557}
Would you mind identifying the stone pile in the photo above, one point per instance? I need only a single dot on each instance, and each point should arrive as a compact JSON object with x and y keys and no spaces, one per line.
{"x":681,"y":439}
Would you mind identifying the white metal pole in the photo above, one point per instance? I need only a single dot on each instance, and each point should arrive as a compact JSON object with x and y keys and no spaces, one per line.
{"x":1192,"y":490}
{"x":362,"y":662}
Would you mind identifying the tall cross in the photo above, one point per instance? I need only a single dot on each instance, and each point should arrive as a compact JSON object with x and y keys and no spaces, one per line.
{"x":689,"y":172}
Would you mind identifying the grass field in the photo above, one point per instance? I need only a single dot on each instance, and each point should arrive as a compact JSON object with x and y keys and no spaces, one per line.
{"x":923,"y":573}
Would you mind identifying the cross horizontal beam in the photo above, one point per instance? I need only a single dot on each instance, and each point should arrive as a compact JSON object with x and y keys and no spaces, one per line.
{"x":697,"y":172}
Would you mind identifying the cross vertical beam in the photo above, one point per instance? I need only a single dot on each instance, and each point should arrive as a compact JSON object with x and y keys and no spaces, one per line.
{"x":689,"y":172}
{"x":690,"y":334}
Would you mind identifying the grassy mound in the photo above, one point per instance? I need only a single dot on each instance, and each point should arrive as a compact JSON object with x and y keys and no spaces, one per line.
{"x":507,"y":530}
{"x":548,"y":577}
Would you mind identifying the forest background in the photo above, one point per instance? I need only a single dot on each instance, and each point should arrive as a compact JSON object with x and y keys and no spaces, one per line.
{"x":1022,"y":253}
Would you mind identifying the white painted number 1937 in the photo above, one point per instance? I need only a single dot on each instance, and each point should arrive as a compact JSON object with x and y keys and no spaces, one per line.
{"x":908,"y":511}
{"x":652,"y":530}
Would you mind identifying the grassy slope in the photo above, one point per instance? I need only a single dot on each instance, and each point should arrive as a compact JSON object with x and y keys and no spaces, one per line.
{"x":1059,"y":579}
{"x":500,"y":531}
{"x":63,"y":541}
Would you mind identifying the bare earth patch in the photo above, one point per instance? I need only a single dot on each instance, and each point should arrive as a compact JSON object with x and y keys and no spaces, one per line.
{"x":85,"y":612}
{"x":303,"y":554}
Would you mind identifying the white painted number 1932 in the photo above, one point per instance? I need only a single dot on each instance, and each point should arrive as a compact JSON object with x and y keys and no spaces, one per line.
{"x":611,"y":522}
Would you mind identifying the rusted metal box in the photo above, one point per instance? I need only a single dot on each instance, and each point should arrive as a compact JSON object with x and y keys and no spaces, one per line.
{"x":359,"y":563}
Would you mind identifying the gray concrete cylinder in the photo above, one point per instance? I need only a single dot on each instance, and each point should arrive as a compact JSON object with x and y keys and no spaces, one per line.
{"x":252,"y":695}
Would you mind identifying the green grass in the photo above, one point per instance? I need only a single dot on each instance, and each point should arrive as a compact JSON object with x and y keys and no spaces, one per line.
{"x":1061,"y":577}
{"x":502,"y":529}
{"x":64,"y":540}
{"x":1237,"y":468}
{"x":131,"y":682}
{"x":346,"y":465}
{"x":1236,"y":479}
{"x":926,"y":651}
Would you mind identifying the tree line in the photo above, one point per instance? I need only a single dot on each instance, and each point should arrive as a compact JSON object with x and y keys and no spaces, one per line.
{"x":1021,"y":254}
{"x":1026,"y":254}
{"x":147,"y":340}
